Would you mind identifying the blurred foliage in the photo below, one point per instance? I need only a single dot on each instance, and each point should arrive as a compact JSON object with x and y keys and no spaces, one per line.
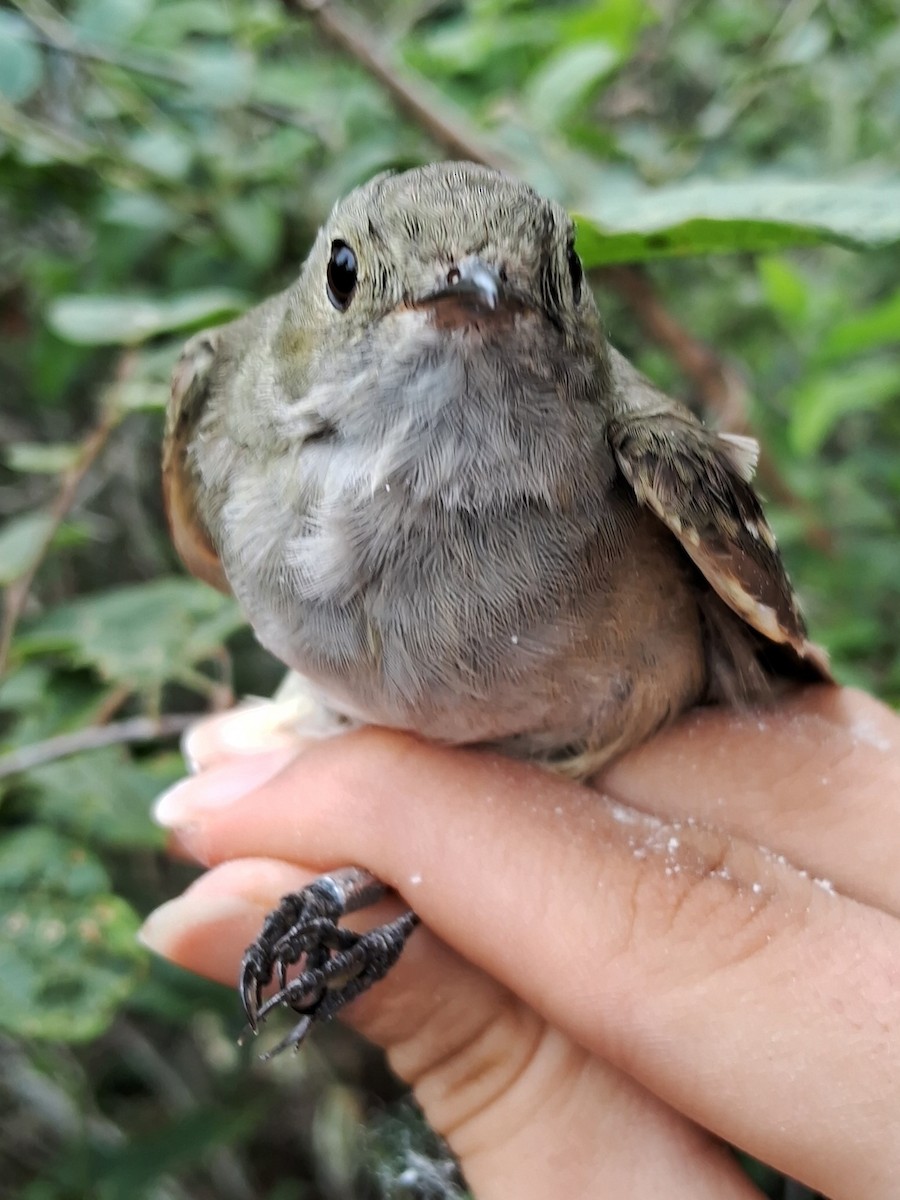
{"x":163,"y":163}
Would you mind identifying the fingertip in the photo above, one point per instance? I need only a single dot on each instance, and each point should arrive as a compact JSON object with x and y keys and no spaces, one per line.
{"x":192,"y":933}
{"x":208,"y":927}
{"x":253,"y":727}
{"x":217,"y":786}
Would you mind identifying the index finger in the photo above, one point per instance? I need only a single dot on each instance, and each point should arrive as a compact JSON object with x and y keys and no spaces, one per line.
{"x":815,"y":778}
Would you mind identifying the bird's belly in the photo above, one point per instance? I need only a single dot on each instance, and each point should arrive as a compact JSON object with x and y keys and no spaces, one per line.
{"x":537,"y":639}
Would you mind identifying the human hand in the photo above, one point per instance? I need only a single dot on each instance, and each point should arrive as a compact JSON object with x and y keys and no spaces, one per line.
{"x":604,"y":985}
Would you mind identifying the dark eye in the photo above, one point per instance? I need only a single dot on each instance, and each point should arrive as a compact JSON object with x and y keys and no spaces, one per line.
{"x":576,"y":273}
{"x":342,"y":271}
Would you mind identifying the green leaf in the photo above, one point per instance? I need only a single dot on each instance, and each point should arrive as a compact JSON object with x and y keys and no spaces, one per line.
{"x":68,"y":955}
{"x":785,"y":289}
{"x":33,"y":858}
{"x":709,"y":218}
{"x":110,"y":20}
{"x":283,"y":84}
{"x":98,"y":320}
{"x":615,"y":21}
{"x":567,"y":79}
{"x":469,"y":46}
{"x":21,"y":64}
{"x":41,"y":458}
{"x":102,"y":797}
{"x":140,"y":395}
{"x":170,"y":24}
{"x":253,"y":225}
{"x":20,"y":541}
{"x":821,"y":402}
{"x":39,"y":701}
{"x":803,"y":44}
{"x":141,"y":635}
{"x":139,"y":211}
{"x":147,"y":389}
{"x":877,"y":326}
{"x":221,"y":76}
{"x":163,"y":152}
{"x":24,"y":688}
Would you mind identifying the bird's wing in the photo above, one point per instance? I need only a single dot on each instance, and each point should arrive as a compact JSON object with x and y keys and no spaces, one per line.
{"x":698,"y":483}
{"x":190,"y":390}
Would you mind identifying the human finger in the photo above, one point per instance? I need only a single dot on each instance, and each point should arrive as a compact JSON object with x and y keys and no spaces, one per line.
{"x":815,"y":778}
{"x":252,"y":727}
{"x":683,"y":955}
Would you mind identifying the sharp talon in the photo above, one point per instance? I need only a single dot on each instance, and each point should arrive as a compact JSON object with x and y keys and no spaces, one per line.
{"x":295,"y":1038}
{"x":335,"y":964}
{"x":285,"y":996}
{"x":250,"y":984}
{"x":251,"y":995}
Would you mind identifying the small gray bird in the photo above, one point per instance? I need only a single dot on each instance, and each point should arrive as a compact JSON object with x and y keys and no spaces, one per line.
{"x":441,"y":496}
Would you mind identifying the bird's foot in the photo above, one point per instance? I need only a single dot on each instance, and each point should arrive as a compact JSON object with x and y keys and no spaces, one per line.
{"x":335,"y":964}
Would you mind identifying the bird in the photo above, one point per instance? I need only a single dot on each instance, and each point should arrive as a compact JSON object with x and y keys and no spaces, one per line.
{"x":442,"y":497}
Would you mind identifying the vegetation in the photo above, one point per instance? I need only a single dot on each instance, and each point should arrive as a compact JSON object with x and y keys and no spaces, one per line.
{"x":163,"y":164}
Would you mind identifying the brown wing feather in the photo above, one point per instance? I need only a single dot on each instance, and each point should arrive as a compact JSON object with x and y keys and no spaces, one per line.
{"x":190,"y":382}
{"x":696,"y":482}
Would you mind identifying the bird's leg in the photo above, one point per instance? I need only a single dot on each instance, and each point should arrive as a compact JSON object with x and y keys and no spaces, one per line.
{"x":336,"y":964}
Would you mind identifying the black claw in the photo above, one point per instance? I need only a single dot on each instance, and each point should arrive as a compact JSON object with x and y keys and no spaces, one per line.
{"x":251,"y":992}
{"x":295,"y":1038}
{"x":336,"y":964}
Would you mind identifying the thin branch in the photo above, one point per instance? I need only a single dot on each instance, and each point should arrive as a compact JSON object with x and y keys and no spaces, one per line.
{"x":51,"y":141}
{"x":112,"y":703}
{"x":428,"y":108}
{"x":219,"y":695}
{"x":719,"y":385}
{"x":17,"y":593}
{"x":717,"y":382}
{"x":132,"y":732}
{"x":56,"y":35}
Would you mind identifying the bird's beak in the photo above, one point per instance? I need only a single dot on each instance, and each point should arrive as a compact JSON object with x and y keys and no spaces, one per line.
{"x":472,"y":284}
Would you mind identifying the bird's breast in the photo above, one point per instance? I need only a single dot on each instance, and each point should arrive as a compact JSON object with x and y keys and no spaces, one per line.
{"x":456,"y":556}
{"x":461,"y":624}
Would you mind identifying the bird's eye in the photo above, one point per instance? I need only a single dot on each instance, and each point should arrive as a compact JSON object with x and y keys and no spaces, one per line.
{"x":576,"y":273}
{"x":341,"y":275}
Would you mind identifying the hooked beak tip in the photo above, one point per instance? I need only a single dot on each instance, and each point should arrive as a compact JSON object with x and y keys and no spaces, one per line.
{"x":473,"y":283}
{"x":486,"y":283}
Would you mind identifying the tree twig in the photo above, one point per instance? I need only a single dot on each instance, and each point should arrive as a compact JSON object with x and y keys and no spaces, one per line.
{"x":448,"y":125}
{"x":111,"y":703}
{"x":16,"y":596}
{"x":56,"y":35}
{"x":719,"y":384}
{"x":132,"y":731}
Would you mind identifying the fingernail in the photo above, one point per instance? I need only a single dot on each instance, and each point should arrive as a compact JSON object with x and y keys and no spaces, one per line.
{"x":218,"y":787}
{"x":170,"y":925}
{"x":249,"y":729}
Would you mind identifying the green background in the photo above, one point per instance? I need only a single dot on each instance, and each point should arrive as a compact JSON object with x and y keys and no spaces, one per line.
{"x":164,"y":163}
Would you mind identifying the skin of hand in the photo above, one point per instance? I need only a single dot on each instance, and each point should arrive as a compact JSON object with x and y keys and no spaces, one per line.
{"x":705,"y":947}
